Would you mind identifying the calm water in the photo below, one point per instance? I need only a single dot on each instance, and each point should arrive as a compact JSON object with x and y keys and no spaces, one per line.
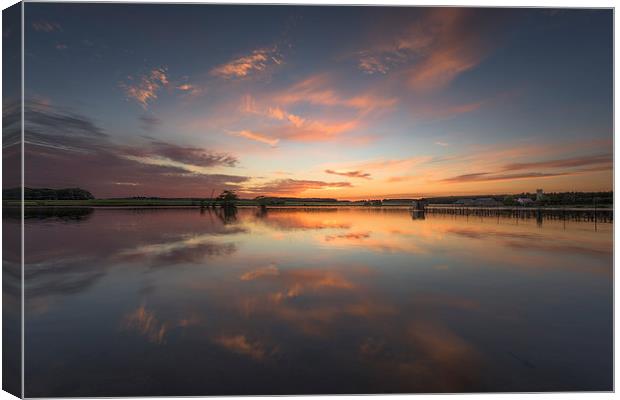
{"x":179,"y":302}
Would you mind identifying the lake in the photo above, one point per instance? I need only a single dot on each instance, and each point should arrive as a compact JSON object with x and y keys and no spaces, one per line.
{"x":124,"y":302}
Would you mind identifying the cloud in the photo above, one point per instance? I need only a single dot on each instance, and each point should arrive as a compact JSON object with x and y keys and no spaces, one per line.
{"x":241,"y":345}
{"x":305,"y":129}
{"x":244,"y":66}
{"x":442,"y":144}
{"x":434,"y":49}
{"x":314,"y":131}
{"x":293,"y":186}
{"x":316,"y":90}
{"x":319,"y":90}
{"x":144,"y":88}
{"x":46,"y":26}
{"x":388,"y":165}
{"x":542,"y":169}
{"x":257,"y":137}
{"x":57,"y":127}
{"x":350,"y":174}
{"x":485,"y":176}
{"x":185,"y":155}
{"x":61,"y":46}
{"x":66,"y":149}
{"x":58,"y":121}
{"x":564,"y":163}
{"x":372,"y":65}
{"x":190,"y":90}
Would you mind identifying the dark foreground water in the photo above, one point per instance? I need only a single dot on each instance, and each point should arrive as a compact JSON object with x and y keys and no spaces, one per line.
{"x":179,"y":302}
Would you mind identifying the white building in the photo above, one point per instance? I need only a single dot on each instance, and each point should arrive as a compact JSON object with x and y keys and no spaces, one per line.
{"x":539,"y":194}
{"x":525,"y":201}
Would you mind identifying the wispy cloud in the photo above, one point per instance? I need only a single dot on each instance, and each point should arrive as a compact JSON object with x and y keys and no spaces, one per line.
{"x":350,"y":174}
{"x":190,"y":90}
{"x":320,"y":90}
{"x":485,"y":176}
{"x":436,"y":48}
{"x":144,"y":88}
{"x":293,"y":186}
{"x":257,"y":137}
{"x":84,"y":156}
{"x":564,"y":163}
{"x":51,"y":126}
{"x":317,"y":91}
{"x":372,"y":65}
{"x":257,"y":61}
{"x":186,"y":155}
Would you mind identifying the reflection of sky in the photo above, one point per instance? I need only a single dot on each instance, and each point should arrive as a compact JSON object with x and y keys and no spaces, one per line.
{"x":404,"y":102}
{"x":316,"y":301}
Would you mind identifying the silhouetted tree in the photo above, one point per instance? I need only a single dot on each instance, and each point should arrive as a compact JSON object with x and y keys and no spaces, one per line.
{"x":228,"y":198}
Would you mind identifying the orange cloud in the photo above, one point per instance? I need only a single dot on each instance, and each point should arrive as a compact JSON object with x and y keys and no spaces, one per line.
{"x":257,"y":137}
{"x":296,"y":127}
{"x":441,"y":68}
{"x":458,"y":44}
{"x":435,"y":49}
{"x":190,"y":89}
{"x":315,"y":131}
{"x":315,"y":90}
{"x":318,"y":90}
{"x":259,"y":60}
{"x":241,"y":345}
{"x":292,"y":187}
{"x":145,"y":89}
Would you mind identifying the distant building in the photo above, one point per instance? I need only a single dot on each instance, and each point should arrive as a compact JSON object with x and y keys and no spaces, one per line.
{"x":525,"y":201}
{"x":464,"y":202}
{"x":397,"y":202}
{"x":480,"y":202}
{"x":486,"y":202}
{"x":418,"y":205}
{"x":539,"y":195}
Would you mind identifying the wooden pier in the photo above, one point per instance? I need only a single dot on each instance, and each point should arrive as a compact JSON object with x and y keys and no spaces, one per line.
{"x":592,"y":214}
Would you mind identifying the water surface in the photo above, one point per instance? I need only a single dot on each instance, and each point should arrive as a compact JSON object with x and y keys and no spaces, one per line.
{"x":293,"y":301}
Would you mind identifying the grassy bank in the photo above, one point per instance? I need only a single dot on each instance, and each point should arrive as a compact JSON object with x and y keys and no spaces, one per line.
{"x":157,"y":203}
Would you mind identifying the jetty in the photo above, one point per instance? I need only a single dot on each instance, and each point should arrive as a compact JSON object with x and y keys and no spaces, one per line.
{"x":586,"y":214}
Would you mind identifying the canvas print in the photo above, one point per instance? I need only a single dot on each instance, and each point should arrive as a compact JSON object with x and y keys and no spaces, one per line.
{"x":204,"y":199}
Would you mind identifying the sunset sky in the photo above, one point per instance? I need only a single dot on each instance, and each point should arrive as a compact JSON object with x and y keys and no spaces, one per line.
{"x":344,"y":102}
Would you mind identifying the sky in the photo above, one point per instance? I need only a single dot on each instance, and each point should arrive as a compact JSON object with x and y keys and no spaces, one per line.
{"x":314,"y":101}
